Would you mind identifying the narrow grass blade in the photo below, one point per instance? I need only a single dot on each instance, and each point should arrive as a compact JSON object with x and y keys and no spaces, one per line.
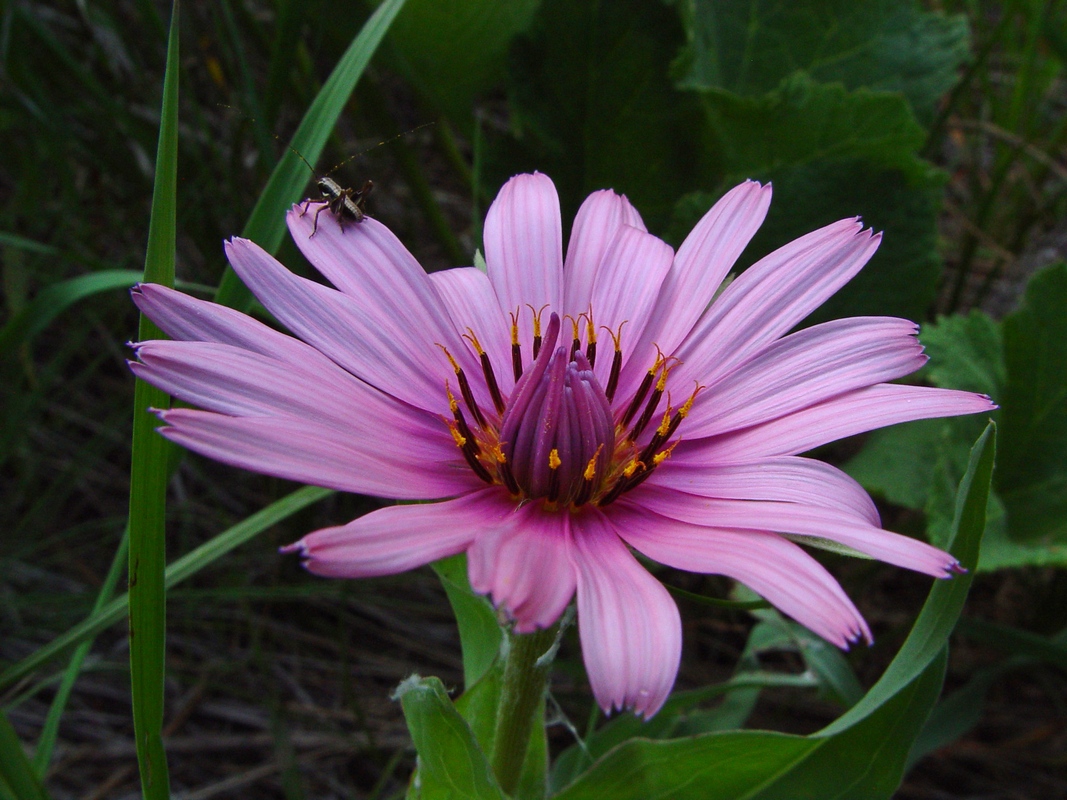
{"x":185,"y":567}
{"x":148,"y":471}
{"x":15,"y":769}
{"x":53,"y":300}
{"x":46,"y":741}
{"x":266,"y":225}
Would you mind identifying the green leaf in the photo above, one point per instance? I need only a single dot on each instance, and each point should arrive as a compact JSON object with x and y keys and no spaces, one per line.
{"x":148,"y":470}
{"x":457,"y":50}
{"x":15,"y":769}
{"x":480,"y":635}
{"x":451,"y":764}
{"x":183,"y":568}
{"x":1032,"y":474}
{"x":898,"y":462}
{"x":53,"y":300}
{"x":966,"y":352}
{"x":266,"y":225}
{"x":800,"y":121}
{"x":748,"y":46}
{"x":861,"y":754}
{"x":593,"y":105}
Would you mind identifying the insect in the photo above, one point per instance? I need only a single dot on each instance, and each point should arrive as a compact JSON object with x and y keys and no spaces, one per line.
{"x":347,"y":205}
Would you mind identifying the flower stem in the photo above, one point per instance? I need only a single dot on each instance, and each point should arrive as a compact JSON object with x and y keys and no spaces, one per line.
{"x":525,"y":675}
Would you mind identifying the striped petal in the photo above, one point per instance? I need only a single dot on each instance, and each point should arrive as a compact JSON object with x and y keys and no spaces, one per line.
{"x":399,"y":538}
{"x":771,"y":566}
{"x":629,"y":626}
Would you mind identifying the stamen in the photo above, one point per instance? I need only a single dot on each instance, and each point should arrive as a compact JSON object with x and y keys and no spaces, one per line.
{"x":588,"y":480}
{"x":575,"y":339}
{"x":642,"y":390}
{"x":461,"y":421}
{"x":465,"y":447}
{"x":660,"y":436}
{"x":536,"y":327}
{"x":516,"y":348}
{"x":590,"y":336}
{"x":553,"y":475}
{"x":465,"y":389}
{"x":487,"y":369}
{"x":616,"y":362}
{"x":653,"y":400}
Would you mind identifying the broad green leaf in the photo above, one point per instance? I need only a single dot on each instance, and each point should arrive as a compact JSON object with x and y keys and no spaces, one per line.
{"x":861,"y":754}
{"x":451,"y":765}
{"x":16,"y":772}
{"x":801,"y":121}
{"x":183,"y":568}
{"x":479,"y":632}
{"x":1032,"y":474}
{"x":748,"y":46}
{"x":149,"y":471}
{"x":594,"y":108}
{"x":266,"y":225}
{"x":898,"y":463}
{"x":454,"y":51}
{"x":966,"y":352}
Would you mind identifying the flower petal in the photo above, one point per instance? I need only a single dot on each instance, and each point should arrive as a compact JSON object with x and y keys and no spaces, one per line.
{"x":805,"y":368}
{"x":594,"y":230}
{"x":845,"y":415}
{"x":523,"y":564}
{"x":234,"y":381}
{"x":819,"y":526}
{"x":396,"y":465}
{"x":771,"y":566}
{"x":626,"y":286}
{"x":189,"y":319}
{"x":772,"y":296}
{"x":399,"y":538}
{"x":788,"y":479}
{"x":628,"y":624}
{"x":702,"y":262}
{"x":524,"y":249}
{"x":396,"y":354}
{"x":471,"y":302}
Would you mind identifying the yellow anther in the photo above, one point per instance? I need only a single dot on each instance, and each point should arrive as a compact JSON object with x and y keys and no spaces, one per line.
{"x":665,"y":425}
{"x":632,"y":467}
{"x":553,"y":459}
{"x":616,"y":336}
{"x":470,"y":337}
{"x":684,"y":410}
{"x":458,"y":437}
{"x":451,"y":360}
{"x":659,"y":458}
{"x":590,"y":468}
{"x":590,"y":328}
{"x":452,"y":404}
{"x":574,"y":324}
{"x":667,"y":366}
{"x":537,"y":317}
{"x":514,"y":327}
{"x":497,"y":454}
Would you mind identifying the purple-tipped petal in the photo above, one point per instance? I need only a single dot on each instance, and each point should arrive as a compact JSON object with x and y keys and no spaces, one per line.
{"x":524,"y":249}
{"x":189,"y":319}
{"x":805,"y":368}
{"x":595,"y":226}
{"x":628,"y":624}
{"x":846,"y":415}
{"x":396,"y":354}
{"x":787,"y":479}
{"x":771,"y":566}
{"x":772,"y":296}
{"x":399,"y":538}
{"x":705,"y":257}
{"x":324,"y":455}
{"x":819,"y":527}
{"x":523,"y":564}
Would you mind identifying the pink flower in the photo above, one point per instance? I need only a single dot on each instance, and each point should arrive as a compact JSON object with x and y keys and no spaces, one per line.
{"x":563,"y":411}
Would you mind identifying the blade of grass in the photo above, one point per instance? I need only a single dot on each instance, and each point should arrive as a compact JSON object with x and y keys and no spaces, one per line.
{"x":266,"y":224}
{"x":148,"y":470}
{"x":15,"y":768}
{"x":47,"y":740}
{"x":185,"y":567}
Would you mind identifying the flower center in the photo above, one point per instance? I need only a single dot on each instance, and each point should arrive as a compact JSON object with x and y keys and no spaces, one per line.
{"x":557,"y":437}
